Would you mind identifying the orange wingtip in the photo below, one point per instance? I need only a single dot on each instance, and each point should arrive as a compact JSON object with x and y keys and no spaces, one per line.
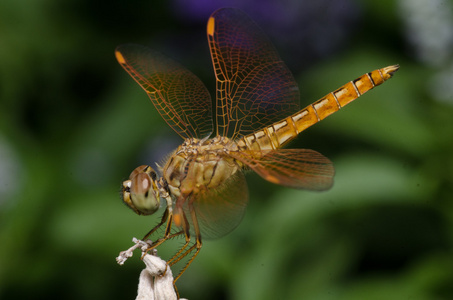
{"x":120,"y":57}
{"x":211,"y":26}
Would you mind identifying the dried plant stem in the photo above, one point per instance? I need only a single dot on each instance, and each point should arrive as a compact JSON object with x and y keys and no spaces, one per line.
{"x":156,"y":280}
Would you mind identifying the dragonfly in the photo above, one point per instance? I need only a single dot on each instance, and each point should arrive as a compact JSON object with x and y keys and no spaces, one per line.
{"x":256,"y":113}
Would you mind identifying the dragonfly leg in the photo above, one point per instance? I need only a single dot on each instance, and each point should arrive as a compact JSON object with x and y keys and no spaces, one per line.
{"x":162,"y":221}
{"x":186,"y":231}
{"x":195,"y":247}
{"x":167,"y":218}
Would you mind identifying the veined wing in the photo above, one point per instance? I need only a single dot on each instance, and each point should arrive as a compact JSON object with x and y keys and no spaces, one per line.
{"x":179,"y":96}
{"x":254,"y":86}
{"x":220,"y":210}
{"x":295,"y":168}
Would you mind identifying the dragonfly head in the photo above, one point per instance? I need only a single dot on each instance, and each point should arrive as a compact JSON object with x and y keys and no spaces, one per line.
{"x":141,"y":192}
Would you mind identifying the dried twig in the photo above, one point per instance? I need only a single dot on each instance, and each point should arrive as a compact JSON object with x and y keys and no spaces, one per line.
{"x":156,"y":280}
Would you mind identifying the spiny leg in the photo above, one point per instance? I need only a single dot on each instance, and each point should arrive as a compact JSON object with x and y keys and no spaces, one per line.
{"x":186,"y":231}
{"x":196,"y":246}
{"x":162,"y":221}
{"x":167,"y":217}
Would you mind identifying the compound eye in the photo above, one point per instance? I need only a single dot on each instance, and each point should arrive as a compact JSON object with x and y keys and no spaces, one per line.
{"x":144,"y":194}
{"x":141,"y":169}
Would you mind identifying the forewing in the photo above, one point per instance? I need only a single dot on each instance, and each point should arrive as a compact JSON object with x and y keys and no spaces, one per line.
{"x":220,"y":210}
{"x":179,"y":96}
{"x":254,"y":87}
{"x":295,"y":168}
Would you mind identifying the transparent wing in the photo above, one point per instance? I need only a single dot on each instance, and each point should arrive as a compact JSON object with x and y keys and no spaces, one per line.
{"x":295,"y":168}
{"x":220,"y":210}
{"x":254,"y":87}
{"x":179,"y":96}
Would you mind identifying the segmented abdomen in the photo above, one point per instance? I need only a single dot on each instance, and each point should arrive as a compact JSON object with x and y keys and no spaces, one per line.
{"x":280,"y":133}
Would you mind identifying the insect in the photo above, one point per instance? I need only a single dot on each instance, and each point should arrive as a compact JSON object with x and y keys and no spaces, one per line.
{"x":257,"y":112}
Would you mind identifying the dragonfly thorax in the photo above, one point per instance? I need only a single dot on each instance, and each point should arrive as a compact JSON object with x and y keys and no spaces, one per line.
{"x":198,"y":165}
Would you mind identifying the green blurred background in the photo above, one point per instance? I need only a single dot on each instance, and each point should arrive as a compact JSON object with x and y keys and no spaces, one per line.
{"x":73,"y":125}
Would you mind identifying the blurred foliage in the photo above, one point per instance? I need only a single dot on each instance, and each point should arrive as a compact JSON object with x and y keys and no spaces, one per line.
{"x":73,"y":125}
